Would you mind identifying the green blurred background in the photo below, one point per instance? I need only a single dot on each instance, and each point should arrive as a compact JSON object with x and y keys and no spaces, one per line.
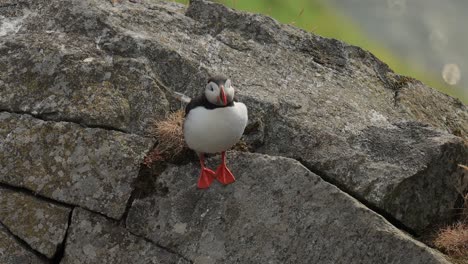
{"x":326,"y":19}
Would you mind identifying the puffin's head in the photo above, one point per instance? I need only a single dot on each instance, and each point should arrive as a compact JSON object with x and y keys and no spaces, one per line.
{"x":219,"y":91}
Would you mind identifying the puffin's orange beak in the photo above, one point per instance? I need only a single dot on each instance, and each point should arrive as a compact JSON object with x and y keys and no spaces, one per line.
{"x":223,"y":95}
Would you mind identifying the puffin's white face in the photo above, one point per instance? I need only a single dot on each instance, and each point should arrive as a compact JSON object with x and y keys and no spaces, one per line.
{"x":219,"y":94}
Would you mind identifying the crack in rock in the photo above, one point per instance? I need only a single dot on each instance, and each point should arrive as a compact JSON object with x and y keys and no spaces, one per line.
{"x":93,"y":238}
{"x":19,"y":251}
{"x":92,"y":168}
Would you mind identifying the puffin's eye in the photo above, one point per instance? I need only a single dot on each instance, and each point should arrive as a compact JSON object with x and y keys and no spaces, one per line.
{"x":210,"y":86}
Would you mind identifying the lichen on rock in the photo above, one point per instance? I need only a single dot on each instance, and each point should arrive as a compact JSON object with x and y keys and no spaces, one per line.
{"x":93,"y":168}
{"x":82,"y":81}
{"x":276,"y":212}
{"x":11,"y":251}
{"x":94,"y":239}
{"x":41,"y":224}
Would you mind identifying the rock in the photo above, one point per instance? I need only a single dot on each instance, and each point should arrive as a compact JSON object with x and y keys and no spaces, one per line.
{"x":276,"y":212}
{"x":59,"y":77}
{"x":409,"y":170}
{"x":11,"y":251}
{"x":310,"y":98}
{"x":341,"y":112}
{"x":90,"y":167}
{"x":323,"y":102}
{"x":40,"y":224}
{"x":94,"y":239}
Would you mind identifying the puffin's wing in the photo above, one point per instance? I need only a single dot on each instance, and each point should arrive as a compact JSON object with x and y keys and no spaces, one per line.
{"x":198,"y":101}
{"x":182,"y":97}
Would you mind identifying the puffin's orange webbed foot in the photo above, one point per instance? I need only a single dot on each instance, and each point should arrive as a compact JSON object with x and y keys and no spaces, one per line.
{"x":223,"y":174}
{"x":206,"y":178}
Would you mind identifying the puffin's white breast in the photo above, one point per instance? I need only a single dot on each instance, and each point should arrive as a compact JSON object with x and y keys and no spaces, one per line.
{"x":215,"y":130}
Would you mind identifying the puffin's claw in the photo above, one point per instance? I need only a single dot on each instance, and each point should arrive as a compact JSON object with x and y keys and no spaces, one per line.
{"x":206,"y":178}
{"x":224,"y":175}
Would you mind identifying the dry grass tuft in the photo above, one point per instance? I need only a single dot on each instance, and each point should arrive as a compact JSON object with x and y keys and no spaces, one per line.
{"x":170,"y":136}
{"x":453,"y":240}
{"x":153,"y":156}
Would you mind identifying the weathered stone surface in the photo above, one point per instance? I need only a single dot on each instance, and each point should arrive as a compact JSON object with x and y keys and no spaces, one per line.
{"x":276,"y":212}
{"x":328,"y":104}
{"x":62,"y":76}
{"x":310,"y":98}
{"x":94,"y":239}
{"x":341,"y":112}
{"x":90,"y":167}
{"x":408,"y":169}
{"x":13,"y":252}
{"x":40,"y":224}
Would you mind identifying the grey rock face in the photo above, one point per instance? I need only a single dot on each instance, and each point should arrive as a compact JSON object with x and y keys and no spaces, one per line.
{"x":341,"y":112}
{"x":40,"y":224}
{"x":13,"y":252}
{"x":313,"y":99}
{"x":93,"y":168}
{"x":94,"y":239}
{"x":408,"y":169}
{"x":403,"y":168}
{"x":387,"y":140}
{"x":47,"y":69}
{"x":276,"y":212}
{"x":309,"y":98}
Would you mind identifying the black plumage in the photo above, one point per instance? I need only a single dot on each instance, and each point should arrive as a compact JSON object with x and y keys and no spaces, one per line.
{"x":202,"y":101}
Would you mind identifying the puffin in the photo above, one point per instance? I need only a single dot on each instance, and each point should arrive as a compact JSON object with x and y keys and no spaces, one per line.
{"x":214,"y":122}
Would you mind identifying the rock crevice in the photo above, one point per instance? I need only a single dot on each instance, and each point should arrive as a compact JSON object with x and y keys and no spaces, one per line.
{"x":57,"y":258}
{"x":19,"y":251}
{"x":44,"y":117}
{"x":390,"y":218}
